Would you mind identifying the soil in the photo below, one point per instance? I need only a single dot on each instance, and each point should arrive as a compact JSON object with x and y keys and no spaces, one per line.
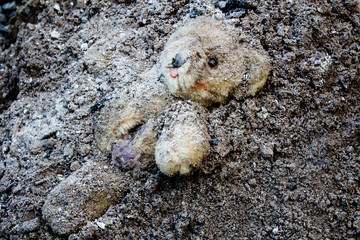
{"x":284,"y":164}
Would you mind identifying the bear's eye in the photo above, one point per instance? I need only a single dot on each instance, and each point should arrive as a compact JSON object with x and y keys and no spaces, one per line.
{"x":212,"y":63}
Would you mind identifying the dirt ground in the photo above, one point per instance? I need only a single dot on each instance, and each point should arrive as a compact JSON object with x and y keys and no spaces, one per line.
{"x":286,"y":164}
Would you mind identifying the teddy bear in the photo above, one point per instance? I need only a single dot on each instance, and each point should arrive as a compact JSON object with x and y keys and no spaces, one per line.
{"x":202,"y":65}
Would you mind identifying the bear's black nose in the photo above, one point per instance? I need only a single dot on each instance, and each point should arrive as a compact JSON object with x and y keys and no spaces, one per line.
{"x":177,"y":61}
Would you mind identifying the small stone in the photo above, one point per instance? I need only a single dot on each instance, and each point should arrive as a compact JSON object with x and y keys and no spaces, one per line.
{"x":263,"y":113}
{"x":84,"y":18}
{"x":75,"y":166}
{"x":252,"y":182}
{"x":37,"y":183}
{"x":275,"y":230}
{"x":57,"y":7}
{"x":68,"y":151}
{"x":60,"y":177}
{"x":84,"y":46}
{"x":350,"y":149}
{"x":100,"y":224}
{"x":236,"y":13}
{"x":267,"y":150}
{"x":55,"y":34}
{"x":10,"y":6}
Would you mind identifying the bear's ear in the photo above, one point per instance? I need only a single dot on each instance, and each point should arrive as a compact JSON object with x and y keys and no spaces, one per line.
{"x":259,"y":70}
{"x":257,"y":65}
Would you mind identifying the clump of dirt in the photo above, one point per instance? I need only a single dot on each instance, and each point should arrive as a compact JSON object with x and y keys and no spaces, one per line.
{"x":284,"y":164}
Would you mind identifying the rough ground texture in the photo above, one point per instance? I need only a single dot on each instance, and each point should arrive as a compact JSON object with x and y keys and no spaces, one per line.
{"x":284,"y":164}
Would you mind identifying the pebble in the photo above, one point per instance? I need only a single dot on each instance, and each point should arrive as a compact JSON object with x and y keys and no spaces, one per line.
{"x":60,"y":177}
{"x":69,"y":151}
{"x":350,"y":149}
{"x":37,"y":183}
{"x":100,"y":224}
{"x":57,"y":7}
{"x":275,"y":230}
{"x":252,"y":182}
{"x":75,"y":166}
{"x":9,"y":6}
{"x":84,"y":18}
{"x":84,"y":46}
{"x":55,"y":34}
{"x":267,"y":150}
{"x":237,"y":13}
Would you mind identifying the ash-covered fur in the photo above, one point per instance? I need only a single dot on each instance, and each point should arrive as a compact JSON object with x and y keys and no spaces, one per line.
{"x":239,"y":71}
{"x":203,"y":63}
{"x":184,"y":139}
{"x":146,"y":98}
